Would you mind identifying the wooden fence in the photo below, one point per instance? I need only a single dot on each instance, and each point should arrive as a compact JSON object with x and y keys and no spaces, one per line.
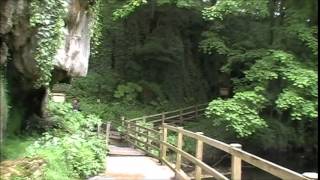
{"x":176,"y":116}
{"x":142,"y":134}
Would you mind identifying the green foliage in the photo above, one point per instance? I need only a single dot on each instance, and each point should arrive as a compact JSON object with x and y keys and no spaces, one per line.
{"x":14,"y":147}
{"x":83,"y":154}
{"x":127,"y":9}
{"x":57,"y":166}
{"x":96,"y":27}
{"x":128,"y":92}
{"x":213,"y":42}
{"x":95,"y":86}
{"x":72,"y":149}
{"x":299,"y":106}
{"x":71,"y":121}
{"x":297,"y":27}
{"x":240,"y":113}
{"x":236,"y":7}
{"x":300,"y":90}
{"x":47,"y":18}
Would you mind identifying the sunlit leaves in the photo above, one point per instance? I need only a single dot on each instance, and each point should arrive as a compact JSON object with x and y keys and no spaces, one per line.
{"x":240,"y":113}
{"x":299,"y":98}
{"x":128,"y":92}
{"x":236,"y":7}
{"x":127,"y":9}
{"x":213,"y":43}
{"x":299,"y":106}
{"x":96,"y":26}
{"x":47,"y":17}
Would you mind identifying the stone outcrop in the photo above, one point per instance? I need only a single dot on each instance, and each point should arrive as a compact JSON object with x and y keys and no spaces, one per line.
{"x":18,"y":44}
{"x":73,"y":55}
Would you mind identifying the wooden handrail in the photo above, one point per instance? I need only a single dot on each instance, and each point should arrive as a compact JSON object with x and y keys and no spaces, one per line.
{"x":196,"y":161}
{"x":134,"y":131}
{"x":238,"y":155}
{"x":200,"y":107}
{"x":145,"y":128}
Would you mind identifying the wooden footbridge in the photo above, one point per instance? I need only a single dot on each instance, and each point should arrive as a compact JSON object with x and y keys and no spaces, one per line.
{"x":148,"y":135}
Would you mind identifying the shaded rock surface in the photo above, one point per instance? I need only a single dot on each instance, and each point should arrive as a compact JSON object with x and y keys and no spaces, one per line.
{"x":18,"y":45}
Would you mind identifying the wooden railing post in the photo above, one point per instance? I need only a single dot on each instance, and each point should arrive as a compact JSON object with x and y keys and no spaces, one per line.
{"x":128,"y":128}
{"x":164,"y":139}
{"x":136,"y":134}
{"x":199,"y":154}
{"x":122,"y":121}
{"x":235,"y":164}
{"x":196,"y":111}
{"x":148,"y":141}
{"x":179,"y":146}
{"x":107,"y":133}
{"x":163,"y":117}
{"x":123,"y":125}
{"x":180,"y":117}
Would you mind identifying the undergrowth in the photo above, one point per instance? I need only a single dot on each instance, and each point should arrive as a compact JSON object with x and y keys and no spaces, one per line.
{"x":72,"y":150}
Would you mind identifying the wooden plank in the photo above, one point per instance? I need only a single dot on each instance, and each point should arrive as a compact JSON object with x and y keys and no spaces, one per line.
{"x":188,"y":113}
{"x":143,"y":142}
{"x":164,"y":139}
{"x":140,"y":148}
{"x":124,"y":151}
{"x":196,"y":112}
{"x":107,"y":133}
{"x":172,"y":117}
{"x":153,"y":115}
{"x":235,"y":164}
{"x":122,"y":121}
{"x":204,"y":166}
{"x":179,"y":146}
{"x":134,"y":119}
{"x":212,"y":142}
{"x":163,"y":117}
{"x":267,"y":166}
{"x":188,"y":118}
{"x":144,"y":135}
{"x":156,"y":120}
{"x":199,"y":152}
{"x":179,"y":173}
{"x":142,"y":127}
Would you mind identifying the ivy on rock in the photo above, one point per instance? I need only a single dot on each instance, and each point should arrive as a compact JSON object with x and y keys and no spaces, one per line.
{"x":48,"y":18}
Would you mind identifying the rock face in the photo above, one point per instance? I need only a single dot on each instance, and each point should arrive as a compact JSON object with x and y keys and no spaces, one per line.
{"x":18,"y":44}
{"x":73,"y":55}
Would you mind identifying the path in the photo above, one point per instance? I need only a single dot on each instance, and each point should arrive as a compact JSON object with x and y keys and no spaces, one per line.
{"x":127,"y":163}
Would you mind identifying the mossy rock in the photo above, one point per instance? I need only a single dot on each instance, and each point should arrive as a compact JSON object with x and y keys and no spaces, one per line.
{"x":25,"y":168}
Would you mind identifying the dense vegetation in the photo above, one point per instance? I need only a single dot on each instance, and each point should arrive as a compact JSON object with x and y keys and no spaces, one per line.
{"x":152,"y":56}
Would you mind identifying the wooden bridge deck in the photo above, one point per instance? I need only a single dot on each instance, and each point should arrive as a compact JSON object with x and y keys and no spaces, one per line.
{"x":127,"y":163}
{"x":137,"y":168}
{"x":124,"y":151}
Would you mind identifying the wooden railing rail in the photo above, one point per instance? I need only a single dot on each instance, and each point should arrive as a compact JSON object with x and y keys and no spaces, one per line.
{"x":237,"y":155}
{"x":143,"y":134}
{"x":162,"y":117}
